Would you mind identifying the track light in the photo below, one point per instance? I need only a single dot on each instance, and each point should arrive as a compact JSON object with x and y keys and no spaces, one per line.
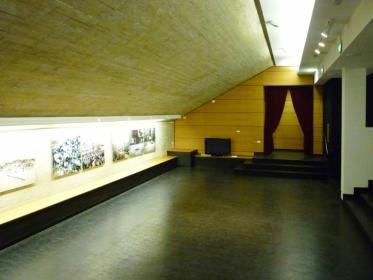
{"x":321,"y":44}
{"x":317,"y":51}
{"x":324,"y":35}
{"x":270,"y":22}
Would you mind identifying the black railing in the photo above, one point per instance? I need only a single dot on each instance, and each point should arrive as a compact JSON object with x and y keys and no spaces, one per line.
{"x":326,"y":146}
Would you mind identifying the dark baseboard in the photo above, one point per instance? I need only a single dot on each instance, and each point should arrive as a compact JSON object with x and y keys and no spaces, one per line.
{"x":18,"y":229}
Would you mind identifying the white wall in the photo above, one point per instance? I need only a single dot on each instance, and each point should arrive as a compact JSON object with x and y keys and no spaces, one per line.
{"x":37,"y":142}
{"x":359,"y":19}
{"x":357,"y":139}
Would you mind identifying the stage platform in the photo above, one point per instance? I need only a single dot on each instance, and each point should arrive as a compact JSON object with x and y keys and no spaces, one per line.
{"x":290,"y":155}
{"x":284,"y":163}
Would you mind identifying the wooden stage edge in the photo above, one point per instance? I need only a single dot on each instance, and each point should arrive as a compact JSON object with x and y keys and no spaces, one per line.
{"x":27,"y":220}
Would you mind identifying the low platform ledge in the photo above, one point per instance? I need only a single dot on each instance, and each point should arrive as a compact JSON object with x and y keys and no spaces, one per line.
{"x":29,"y":219}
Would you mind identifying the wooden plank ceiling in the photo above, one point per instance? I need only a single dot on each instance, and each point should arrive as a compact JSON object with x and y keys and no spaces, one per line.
{"x":133,"y":57}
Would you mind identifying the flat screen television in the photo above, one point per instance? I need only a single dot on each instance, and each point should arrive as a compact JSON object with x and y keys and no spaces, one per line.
{"x":218,"y":146}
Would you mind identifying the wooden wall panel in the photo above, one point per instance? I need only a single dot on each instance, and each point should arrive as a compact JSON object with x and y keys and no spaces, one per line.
{"x":289,"y":143}
{"x":232,"y":106}
{"x":239,"y":114}
{"x":257,"y":80}
{"x":279,"y":76}
{"x":243,"y":92}
{"x":190,"y":143}
{"x":219,"y":131}
{"x":289,"y":131}
{"x":248,"y":119}
{"x":193,"y":118}
{"x":286,"y":78}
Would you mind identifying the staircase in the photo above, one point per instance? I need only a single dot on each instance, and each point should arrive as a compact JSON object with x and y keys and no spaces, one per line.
{"x":360,"y":206}
{"x":314,"y":167}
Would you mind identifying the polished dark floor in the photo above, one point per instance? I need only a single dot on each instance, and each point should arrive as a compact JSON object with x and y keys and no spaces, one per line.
{"x":202,"y":224}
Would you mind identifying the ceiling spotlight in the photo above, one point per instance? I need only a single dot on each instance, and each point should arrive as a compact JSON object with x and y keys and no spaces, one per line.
{"x":270,"y":22}
{"x":324,"y":35}
{"x":317,"y":51}
{"x":321,"y":44}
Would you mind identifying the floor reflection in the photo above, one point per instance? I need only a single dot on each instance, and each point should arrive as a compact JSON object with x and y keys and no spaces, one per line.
{"x":201,"y":224}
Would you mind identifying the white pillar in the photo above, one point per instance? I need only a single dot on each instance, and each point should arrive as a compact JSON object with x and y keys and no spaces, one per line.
{"x":357,"y":139}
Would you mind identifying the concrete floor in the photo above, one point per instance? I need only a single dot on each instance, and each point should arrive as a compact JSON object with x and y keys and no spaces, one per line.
{"x":202,"y":224}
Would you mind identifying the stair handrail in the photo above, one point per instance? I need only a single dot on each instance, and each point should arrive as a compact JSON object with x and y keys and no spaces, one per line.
{"x":326,"y":146}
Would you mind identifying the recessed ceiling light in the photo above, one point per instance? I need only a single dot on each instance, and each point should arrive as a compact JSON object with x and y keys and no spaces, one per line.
{"x":321,"y":44}
{"x":323,"y":34}
{"x":317,"y":51}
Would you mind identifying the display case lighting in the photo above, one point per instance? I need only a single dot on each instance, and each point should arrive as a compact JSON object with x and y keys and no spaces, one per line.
{"x":9,"y":124}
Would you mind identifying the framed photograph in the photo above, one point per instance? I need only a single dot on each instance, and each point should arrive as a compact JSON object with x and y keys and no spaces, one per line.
{"x":16,"y":173}
{"x":93,"y":153}
{"x":137,"y":143}
{"x":120,"y":143}
{"x":149,"y":138}
{"x":142,"y":141}
{"x":66,"y":156}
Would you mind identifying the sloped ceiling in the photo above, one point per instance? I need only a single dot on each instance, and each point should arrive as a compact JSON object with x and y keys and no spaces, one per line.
{"x":116,"y":57}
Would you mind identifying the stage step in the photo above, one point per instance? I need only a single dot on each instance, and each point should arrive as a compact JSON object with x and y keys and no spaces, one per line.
{"x":360,"y":206}
{"x":282,"y":173}
{"x":316,"y":162}
{"x":293,"y":166}
{"x":367,"y":198}
{"x":312,"y":167}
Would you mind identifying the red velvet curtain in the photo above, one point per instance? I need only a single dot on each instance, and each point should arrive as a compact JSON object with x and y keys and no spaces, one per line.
{"x":302,"y":97}
{"x":274,"y":98}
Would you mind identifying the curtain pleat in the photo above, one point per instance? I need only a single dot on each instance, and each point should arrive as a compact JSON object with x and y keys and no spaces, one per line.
{"x":302,"y":97}
{"x":274,"y":98}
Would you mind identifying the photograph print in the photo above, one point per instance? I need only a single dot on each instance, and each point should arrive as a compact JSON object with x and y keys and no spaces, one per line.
{"x":149,"y":140}
{"x":142,"y":141}
{"x":93,"y":153}
{"x":136,"y":147}
{"x":66,"y":156}
{"x":16,"y":173}
{"x":120,"y":142}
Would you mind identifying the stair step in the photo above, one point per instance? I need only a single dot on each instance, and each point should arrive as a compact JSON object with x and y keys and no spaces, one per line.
{"x":283,"y":173}
{"x":283,"y":166}
{"x":367,"y":198}
{"x":291,"y":161}
{"x":362,"y":217}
